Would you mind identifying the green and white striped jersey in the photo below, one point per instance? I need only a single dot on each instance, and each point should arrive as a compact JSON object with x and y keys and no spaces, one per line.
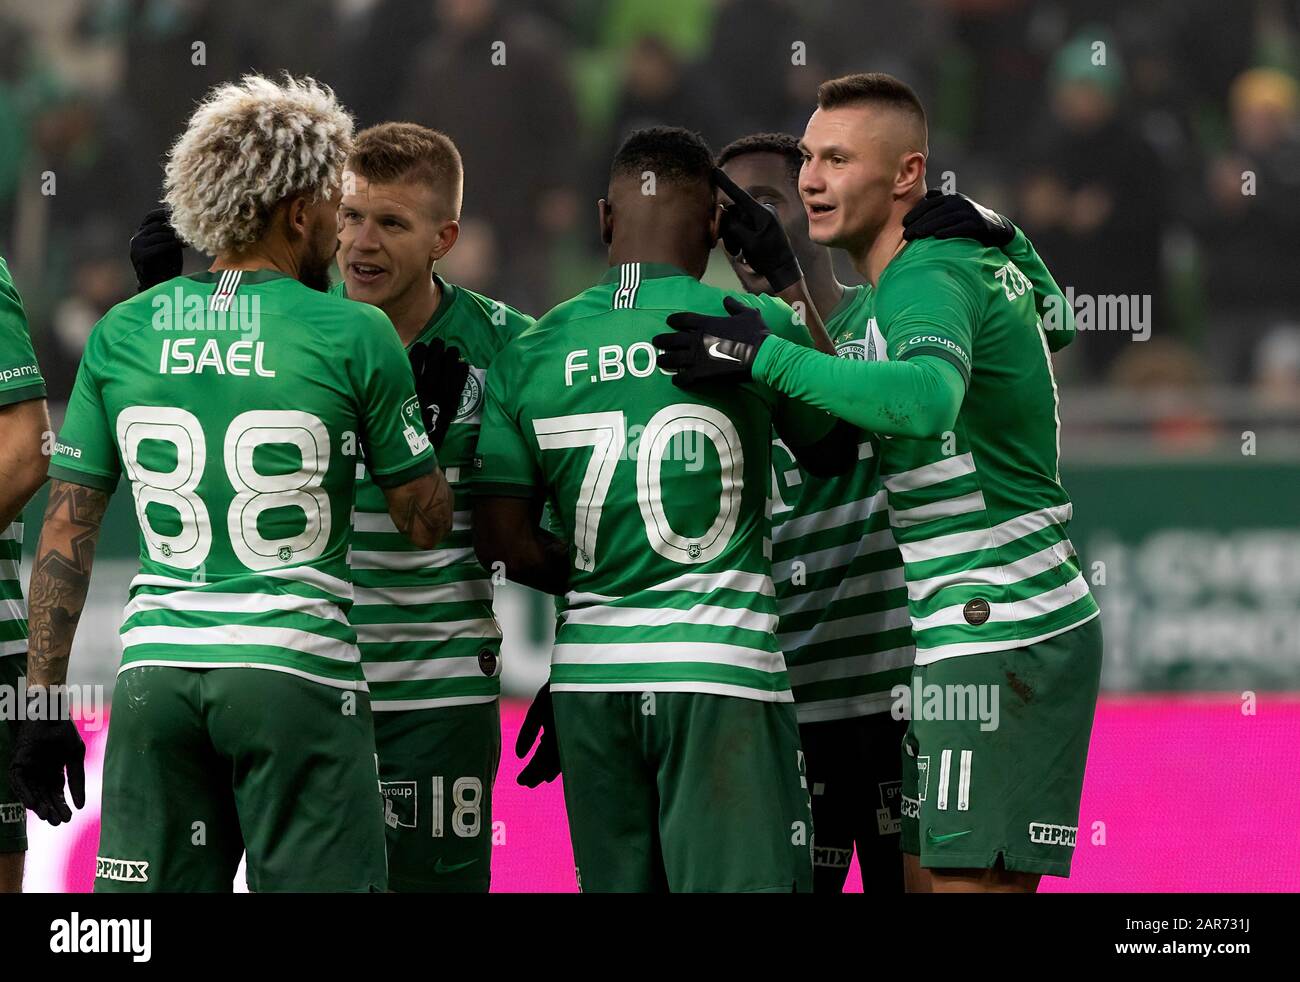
{"x":20,"y":380}
{"x":424,"y":620}
{"x":844,"y":624}
{"x":662,"y":491}
{"x":979,"y":514}
{"x":237,"y":403}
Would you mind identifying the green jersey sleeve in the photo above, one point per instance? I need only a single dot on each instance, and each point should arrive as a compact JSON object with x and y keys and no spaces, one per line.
{"x":1053,"y":306}
{"x":396,"y":445}
{"x":20,"y":376}
{"x":796,"y":422}
{"x":86,"y":452}
{"x":930,"y":308}
{"x":504,"y":464}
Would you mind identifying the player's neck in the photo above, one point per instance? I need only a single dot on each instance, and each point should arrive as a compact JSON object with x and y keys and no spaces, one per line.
{"x":274,"y":255}
{"x":824,"y":290}
{"x":410,"y":313}
{"x":644,"y":249}
{"x":887,"y":244}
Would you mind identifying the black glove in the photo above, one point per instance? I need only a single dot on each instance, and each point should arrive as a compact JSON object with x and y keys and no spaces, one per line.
{"x":955,"y":216}
{"x":706,"y":349}
{"x":42,"y":750}
{"x":440,"y":376}
{"x":752,"y":232}
{"x":545,"y":764}
{"x":156,"y":252}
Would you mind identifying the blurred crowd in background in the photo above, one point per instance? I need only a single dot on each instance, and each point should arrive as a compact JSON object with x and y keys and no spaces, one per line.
{"x":1149,"y":149}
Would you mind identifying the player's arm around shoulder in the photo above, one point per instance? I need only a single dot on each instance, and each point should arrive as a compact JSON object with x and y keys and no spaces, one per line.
{"x":399,"y":455}
{"x":821,"y":444}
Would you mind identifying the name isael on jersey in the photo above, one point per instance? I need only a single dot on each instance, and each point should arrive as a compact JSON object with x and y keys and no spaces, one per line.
{"x":178,"y":358}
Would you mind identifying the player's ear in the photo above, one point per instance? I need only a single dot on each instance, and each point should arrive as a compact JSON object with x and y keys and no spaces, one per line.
{"x":911,"y":173}
{"x":447,"y":236}
{"x":605,"y":216}
{"x":715,"y":225}
{"x":297,"y":216}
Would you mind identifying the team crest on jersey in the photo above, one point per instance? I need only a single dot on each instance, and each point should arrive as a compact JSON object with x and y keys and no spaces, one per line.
{"x":853,"y":350}
{"x":471,"y":397}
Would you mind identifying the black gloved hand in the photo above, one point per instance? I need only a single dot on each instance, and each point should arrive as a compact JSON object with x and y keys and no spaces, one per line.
{"x":440,"y":376}
{"x":753,"y":233}
{"x":706,"y":349}
{"x":156,"y":253}
{"x":540,"y":719}
{"x":42,"y":750}
{"x":955,"y":216}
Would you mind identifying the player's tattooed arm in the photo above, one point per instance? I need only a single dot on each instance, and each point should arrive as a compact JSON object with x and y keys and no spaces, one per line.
{"x":60,"y":578}
{"x":421,"y":509}
{"x":507,"y":537}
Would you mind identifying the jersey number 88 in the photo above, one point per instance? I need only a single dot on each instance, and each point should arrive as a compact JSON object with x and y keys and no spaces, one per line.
{"x":255,"y":492}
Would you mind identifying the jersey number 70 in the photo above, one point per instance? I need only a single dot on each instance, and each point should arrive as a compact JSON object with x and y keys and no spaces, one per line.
{"x":606,"y":434}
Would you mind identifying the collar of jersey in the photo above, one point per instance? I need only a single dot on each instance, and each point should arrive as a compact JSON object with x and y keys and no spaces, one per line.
{"x":445,"y":302}
{"x":649,"y":271}
{"x":250,"y":276}
{"x":852,"y":294}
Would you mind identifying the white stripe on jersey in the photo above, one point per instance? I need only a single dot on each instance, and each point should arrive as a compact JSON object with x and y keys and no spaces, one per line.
{"x":421,"y":669}
{"x":708,"y":615}
{"x":243,"y":635}
{"x":211,"y":601}
{"x":1013,"y":572}
{"x":957,"y":543}
{"x":944,"y":508}
{"x":830,"y":518}
{"x":1042,"y":603}
{"x":668,"y":651}
{"x":285,"y":669}
{"x":421,"y":559}
{"x":709,"y":688}
{"x":928,"y":474}
{"x":409,"y":596}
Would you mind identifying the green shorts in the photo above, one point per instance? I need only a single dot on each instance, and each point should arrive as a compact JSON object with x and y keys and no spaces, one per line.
{"x":205,"y":764}
{"x":684,"y":792}
{"x":974,"y":791}
{"x":13,"y":816}
{"x":436,"y":770}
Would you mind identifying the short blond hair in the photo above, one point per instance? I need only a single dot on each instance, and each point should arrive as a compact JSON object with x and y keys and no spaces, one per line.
{"x":407,"y":151}
{"x":249,"y":146}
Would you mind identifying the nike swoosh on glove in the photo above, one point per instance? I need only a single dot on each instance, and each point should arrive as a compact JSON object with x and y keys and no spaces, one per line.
{"x":712,"y":349}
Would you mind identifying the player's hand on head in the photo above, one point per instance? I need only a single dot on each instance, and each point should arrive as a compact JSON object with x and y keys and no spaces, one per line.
{"x":955,"y":216}
{"x":753,"y":233}
{"x":156,"y":252}
{"x":712,"y":349}
{"x":43,"y":750}
{"x":539,"y":721}
{"x":440,"y":375}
